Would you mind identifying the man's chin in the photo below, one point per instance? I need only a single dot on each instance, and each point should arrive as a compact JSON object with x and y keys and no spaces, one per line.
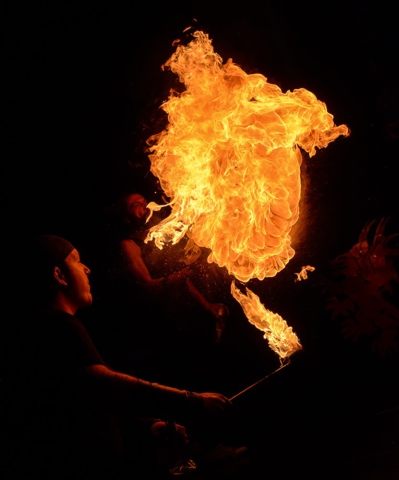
{"x":89,"y":300}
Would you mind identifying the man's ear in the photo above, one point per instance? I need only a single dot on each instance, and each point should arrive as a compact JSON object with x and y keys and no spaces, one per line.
{"x":59,"y":276}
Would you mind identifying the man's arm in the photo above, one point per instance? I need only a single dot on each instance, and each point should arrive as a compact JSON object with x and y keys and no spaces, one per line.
{"x":218,"y":310}
{"x":135,"y":265}
{"x":113,"y":390}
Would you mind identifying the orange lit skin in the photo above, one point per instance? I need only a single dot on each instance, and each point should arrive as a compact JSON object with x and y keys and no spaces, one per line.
{"x":135,"y":215}
{"x":136,"y":206}
{"x":74,"y":287}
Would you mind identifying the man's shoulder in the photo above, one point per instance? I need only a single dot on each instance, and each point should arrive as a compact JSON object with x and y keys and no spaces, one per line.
{"x":60,"y":322}
{"x":130,"y":245}
{"x":54,"y":314}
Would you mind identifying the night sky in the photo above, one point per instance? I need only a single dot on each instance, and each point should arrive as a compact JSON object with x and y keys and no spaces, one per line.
{"x":83,"y":87}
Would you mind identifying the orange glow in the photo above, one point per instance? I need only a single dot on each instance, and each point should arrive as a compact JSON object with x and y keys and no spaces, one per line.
{"x":280,"y":336}
{"x":230,"y":163}
{"x":229,"y":160}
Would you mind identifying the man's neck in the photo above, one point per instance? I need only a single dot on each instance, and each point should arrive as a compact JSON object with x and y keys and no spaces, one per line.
{"x":62,"y":303}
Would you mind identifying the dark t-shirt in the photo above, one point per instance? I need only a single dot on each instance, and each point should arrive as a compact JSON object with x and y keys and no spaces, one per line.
{"x":52,"y":429}
{"x":49,"y":347}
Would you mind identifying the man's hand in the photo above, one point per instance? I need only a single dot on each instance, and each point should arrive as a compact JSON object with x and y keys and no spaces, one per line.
{"x":215,"y":403}
{"x":182,"y":274}
{"x":218,"y":310}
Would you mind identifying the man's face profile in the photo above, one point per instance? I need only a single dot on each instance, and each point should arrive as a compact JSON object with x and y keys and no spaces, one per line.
{"x":136,"y":208}
{"x":77,"y":277}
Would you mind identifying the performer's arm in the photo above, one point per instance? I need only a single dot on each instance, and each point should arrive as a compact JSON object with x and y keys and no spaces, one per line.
{"x":135,"y":265}
{"x":113,"y":390}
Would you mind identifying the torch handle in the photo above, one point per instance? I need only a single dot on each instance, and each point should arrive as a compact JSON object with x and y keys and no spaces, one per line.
{"x":259,"y":381}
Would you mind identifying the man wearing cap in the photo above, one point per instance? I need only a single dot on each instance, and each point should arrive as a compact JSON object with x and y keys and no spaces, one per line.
{"x":65,"y":401}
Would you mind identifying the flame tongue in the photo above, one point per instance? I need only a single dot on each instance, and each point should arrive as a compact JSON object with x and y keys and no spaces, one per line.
{"x":280,"y":336}
{"x":230,"y":162}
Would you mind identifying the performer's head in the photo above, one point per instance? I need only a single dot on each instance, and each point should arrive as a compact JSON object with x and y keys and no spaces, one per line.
{"x":133,"y":209}
{"x":57,"y":276}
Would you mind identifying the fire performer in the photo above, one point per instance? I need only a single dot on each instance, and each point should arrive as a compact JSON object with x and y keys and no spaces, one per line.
{"x":180,"y":322}
{"x":65,"y":402}
{"x":134,"y":213}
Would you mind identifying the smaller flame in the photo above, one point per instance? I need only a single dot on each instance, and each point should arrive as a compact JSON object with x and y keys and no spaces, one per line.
{"x":303,"y":274}
{"x":280,"y":336}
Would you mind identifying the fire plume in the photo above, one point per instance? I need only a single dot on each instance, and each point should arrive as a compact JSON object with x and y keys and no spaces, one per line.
{"x":229,"y":160}
{"x":280,"y":336}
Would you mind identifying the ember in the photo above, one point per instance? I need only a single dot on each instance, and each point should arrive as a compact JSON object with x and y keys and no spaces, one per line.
{"x":229,"y":160}
{"x":303,"y":274}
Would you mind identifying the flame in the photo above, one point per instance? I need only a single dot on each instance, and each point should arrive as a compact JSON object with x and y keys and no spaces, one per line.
{"x":303,"y":274}
{"x":229,"y":160}
{"x":280,"y":336}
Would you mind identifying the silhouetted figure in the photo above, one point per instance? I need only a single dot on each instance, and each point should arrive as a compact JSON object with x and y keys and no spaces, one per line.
{"x":176,"y":337}
{"x":65,"y":406}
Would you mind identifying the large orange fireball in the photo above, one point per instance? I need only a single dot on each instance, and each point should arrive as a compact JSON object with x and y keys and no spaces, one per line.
{"x":229,"y":160}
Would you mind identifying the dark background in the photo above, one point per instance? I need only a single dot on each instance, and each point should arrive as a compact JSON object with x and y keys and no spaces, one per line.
{"x":84,"y":83}
{"x":83,"y":86}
